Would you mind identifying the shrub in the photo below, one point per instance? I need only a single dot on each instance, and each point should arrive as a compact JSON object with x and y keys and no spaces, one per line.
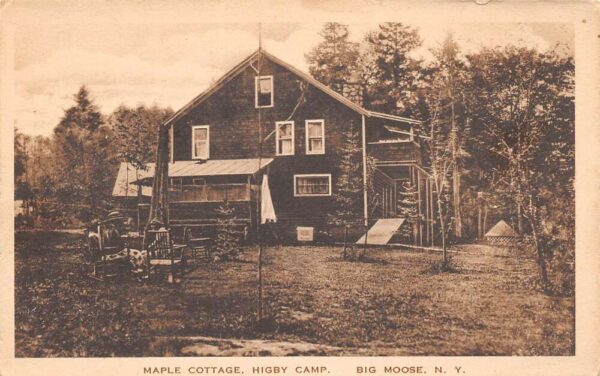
{"x":228,"y":237}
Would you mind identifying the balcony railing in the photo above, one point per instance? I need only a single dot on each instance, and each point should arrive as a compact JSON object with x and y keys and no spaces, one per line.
{"x":210,"y":193}
{"x":394,"y":151}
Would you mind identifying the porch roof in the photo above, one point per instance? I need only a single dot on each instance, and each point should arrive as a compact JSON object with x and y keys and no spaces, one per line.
{"x":211,"y":167}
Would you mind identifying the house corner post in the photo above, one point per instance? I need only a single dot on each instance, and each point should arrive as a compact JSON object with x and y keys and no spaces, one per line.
{"x":364,"y":163}
{"x":171,"y":143}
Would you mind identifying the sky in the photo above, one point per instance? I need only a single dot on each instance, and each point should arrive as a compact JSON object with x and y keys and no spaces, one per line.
{"x":167,"y":60}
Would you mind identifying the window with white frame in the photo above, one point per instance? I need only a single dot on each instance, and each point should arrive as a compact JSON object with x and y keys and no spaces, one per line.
{"x":284,"y":136}
{"x":263,"y":91}
{"x":312,"y":185}
{"x":198,"y":181}
{"x":176,"y":183}
{"x":200,"y":141}
{"x":315,"y":137}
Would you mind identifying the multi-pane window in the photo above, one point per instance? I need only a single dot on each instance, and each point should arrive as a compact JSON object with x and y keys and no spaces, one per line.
{"x":200,"y":142}
{"x":264,"y":91}
{"x":198,"y":181}
{"x":315,"y":137}
{"x":312,"y":185}
{"x":284,"y":136}
{"x":176,"y":183}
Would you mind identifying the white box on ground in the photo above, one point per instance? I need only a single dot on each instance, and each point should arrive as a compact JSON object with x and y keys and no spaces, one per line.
{"x":305,"y":234}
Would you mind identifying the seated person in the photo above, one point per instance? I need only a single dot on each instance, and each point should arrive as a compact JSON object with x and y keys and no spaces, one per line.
{"x":113,"y":248}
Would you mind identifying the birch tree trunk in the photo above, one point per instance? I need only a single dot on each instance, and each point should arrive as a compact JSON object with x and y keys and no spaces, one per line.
{"x":455,"y":170}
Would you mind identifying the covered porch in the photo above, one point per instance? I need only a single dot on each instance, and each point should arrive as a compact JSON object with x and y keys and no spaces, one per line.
{"x":196,"y":190}
{"x":388,"y":184}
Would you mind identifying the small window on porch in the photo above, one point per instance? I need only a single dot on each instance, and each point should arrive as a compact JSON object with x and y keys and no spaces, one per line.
{"x":198,"y":181}
{"x":312,"y":185}
{"x":176,"y":183}
{"x":284,"y":137}
{"x":263,"y":91}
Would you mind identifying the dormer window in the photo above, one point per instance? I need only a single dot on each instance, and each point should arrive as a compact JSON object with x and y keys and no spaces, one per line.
{"x":263,"y":91}
{"x":200,"y":141}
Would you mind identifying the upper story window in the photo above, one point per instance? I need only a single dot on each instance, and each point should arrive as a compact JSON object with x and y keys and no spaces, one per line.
{"x":263,"y":91}
{"x":284,"y":136}
{"x":200,"y":142}
{"x":315,"y":137}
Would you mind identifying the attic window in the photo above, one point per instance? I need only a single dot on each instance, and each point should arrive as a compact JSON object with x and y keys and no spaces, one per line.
{"x":200,"y":141}
{"x":264,"y":91}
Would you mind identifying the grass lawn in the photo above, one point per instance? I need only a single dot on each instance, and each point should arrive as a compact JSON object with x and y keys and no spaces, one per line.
{"x":394,"y":304}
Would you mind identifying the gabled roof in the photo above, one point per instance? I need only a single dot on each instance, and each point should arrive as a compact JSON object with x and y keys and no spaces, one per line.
{"x":502,"y":229}
{"x":305,"y":76}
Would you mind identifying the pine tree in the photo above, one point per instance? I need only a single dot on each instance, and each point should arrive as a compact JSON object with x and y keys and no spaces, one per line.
{"x":227,"y":242}
{"x":446,"y":95}
{"x":391,"y":76}
{"x":85,"y":164}
{"x":333,"y":61}
{"x":408,"y":208}
{"x":349,"y":185}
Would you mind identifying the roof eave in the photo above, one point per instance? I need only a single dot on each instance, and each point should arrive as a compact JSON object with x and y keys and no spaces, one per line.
{"x":327,"y":90}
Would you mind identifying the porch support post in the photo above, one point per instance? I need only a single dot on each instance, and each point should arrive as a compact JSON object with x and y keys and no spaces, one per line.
{"x":432,"y":214}
{"x":364,"y":160}
{"x":171,"y":143}
{"x":249,"y":193}
{"x":420,"y":207}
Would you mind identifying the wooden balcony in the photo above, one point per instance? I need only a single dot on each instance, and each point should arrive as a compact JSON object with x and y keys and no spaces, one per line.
{"x":384,"y":151}
{"x":211,"y":193}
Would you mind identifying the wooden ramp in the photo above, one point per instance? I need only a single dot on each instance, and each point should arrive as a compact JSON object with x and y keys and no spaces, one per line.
{"x":382,"y":231}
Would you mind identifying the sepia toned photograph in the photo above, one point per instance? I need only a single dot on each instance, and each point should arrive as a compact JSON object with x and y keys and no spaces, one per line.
{"x":389,"y":187}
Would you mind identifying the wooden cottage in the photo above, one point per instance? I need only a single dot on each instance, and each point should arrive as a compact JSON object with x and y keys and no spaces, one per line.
{"x":219,"y":152}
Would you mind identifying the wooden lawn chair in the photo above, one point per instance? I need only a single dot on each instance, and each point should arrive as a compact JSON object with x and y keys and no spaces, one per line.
{"x":199,"y":246}
{"x":164,"y":255}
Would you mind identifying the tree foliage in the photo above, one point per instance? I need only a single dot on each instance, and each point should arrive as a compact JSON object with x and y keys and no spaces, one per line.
{"x":22,"y":186}
{"x":391,"y":74}
{"x":334,"y":60}
{"x":522,"y":103}
{"x":228,"y":237}
{"x":83,"y":153}
{"x":72,"y":172}
{"x":349,"y":185}
{"x":500,"y":123}
{"x":136,"y":132}
{"x":407,"y":208}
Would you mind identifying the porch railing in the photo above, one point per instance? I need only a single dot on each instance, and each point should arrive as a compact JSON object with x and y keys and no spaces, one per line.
{"x":210,"y":193}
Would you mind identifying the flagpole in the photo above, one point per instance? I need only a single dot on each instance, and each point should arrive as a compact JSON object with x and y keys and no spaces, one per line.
{"x":258,"y":206}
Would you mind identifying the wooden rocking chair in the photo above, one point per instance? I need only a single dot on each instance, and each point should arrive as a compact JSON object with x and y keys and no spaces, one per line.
{"x":164,"y":255}
{"x":99,"y":254}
